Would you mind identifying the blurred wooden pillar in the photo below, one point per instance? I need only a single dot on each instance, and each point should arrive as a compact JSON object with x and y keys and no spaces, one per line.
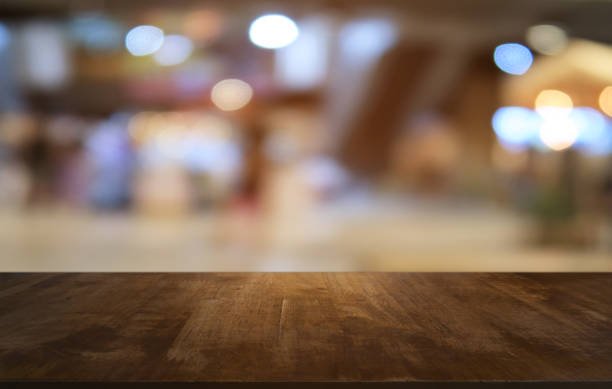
{"x":382,"y":113}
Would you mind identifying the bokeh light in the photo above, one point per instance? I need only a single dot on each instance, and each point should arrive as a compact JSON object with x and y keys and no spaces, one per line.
{"x":547,"y":39}
{"x":273,"y":31}
{"x":175,"y":50}
{"x":605,"y":100}
{"x":47,"y":55}
{"x":144,"y":40}
{"x":513,"y":58}
{"x":552,"y":103}
{"x":231,"y":94}
{"x":558,"y":133}
{"x":516,"y":127}
{"x":594,"y":137}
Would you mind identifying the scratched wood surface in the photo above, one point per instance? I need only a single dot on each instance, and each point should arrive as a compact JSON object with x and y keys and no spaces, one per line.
{"x":305,"y":326}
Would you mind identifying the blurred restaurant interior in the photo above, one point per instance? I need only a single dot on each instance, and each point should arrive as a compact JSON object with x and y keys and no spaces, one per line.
{"x":326,"y":135}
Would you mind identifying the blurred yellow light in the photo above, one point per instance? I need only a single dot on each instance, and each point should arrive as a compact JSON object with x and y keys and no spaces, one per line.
{"x":605,"y":100}
{"x":231,"y":94}
{"x":552,"y":103}
{"x":558,"y":134}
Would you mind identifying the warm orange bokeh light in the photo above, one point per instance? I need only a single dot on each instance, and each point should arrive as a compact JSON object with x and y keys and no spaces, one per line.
{"x":605,"y":100}
{"x":552,"y":102}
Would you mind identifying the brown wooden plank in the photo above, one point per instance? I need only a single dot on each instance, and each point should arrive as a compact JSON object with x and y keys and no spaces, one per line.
{"x":210,"y":327}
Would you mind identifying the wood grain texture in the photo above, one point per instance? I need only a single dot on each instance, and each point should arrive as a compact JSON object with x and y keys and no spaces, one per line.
{"x":305,"y":327}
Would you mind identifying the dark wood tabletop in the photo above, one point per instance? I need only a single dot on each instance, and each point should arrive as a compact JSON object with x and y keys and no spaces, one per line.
{"x":306,"y":327}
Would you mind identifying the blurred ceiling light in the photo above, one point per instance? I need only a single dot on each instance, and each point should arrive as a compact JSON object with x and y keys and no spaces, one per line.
{"x":513,"y":58}
{"x":203,"y":25}
{"x":273,"y":31}
{"x":5,"y":37}
{"x":144,"y":40}
{"x":605,"y":100}
{"x":46,"y":55}
{"x":516,"y":127}
{"x":558,"y":133}
{"x":546,"y":39}
{"x":175,"y":50}
{"x":303,"y":64}
{"x":552,"y":103}
{"x":231,"y":94}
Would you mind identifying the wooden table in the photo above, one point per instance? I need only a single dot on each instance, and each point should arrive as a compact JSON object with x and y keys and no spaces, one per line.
{"x":348,"y":329}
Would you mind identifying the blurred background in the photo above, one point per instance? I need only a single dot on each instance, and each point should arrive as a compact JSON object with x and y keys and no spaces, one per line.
{"x":326,"y":135}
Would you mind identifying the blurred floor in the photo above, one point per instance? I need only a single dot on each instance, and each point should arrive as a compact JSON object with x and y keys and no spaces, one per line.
{"x":353,"y":236}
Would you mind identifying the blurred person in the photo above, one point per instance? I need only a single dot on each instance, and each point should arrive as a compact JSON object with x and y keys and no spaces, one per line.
{"x":254,"y":167}
{"x":110,"y":156}
{"x":242,"y":224}
{"x":65,"y":134}
{"x":72,"y":175}
{"x":35,"y":153}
